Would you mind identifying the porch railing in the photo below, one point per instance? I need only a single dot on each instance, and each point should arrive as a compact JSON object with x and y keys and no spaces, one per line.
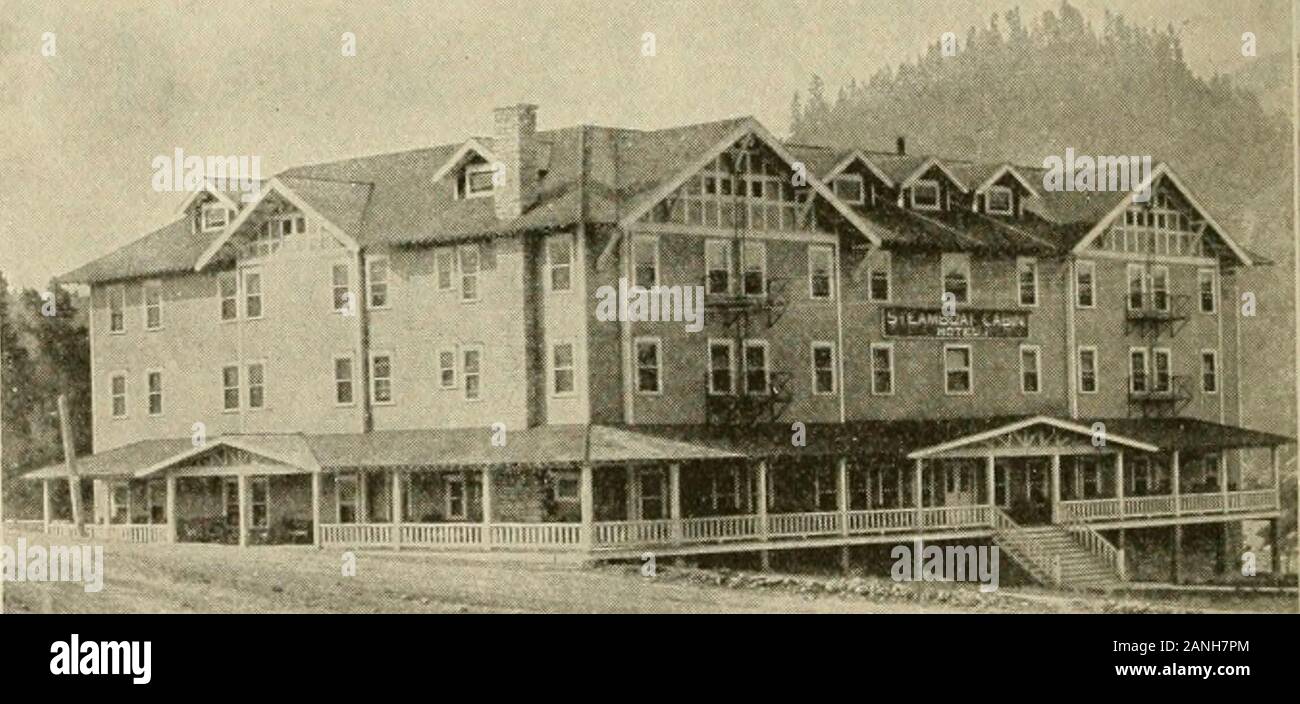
{"x":442,"y":534}
{"x":454,"y":535}
{"x":128,"y":532}
{"x":536,"y":535}
{"x":955,"y":516}
{"x":1088,"y":509}
{"x":881,"y":520}
{"x":1165,"y":505}
{"x":782,"y":525}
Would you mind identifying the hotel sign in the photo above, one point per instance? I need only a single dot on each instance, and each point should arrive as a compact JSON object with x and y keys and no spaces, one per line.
{"x":970,"y":323}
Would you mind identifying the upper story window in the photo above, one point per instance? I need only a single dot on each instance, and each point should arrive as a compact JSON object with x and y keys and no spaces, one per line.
{"x":562,"y":369}
{"x":717,"y":265}
{"x":1088,"y":370}
{"x":998,"y":201}
{"x":381,"y":378}
{"x":1027,"y":281}
{"x":472,"y":371}
{"x":848,"y":188}
{"x":117,"y":388}
{"x":758,"y":378}
{"x":753,"y":259}
{"x":956,"y":276}
{"x":230,"y":387}
{"x":1209,"y":371}
{"x":645,"y":261}
{"x":377,"y":282}
{"x":153,"y":319}
{"x":760,"y":197}
{"x":882,"y":368}
{"x":276,"y":232}
{"x":1139,"y":369}
{"x":1160,"y":288}
{"x":821,"y":264}
{"x":1207,"y":291}
{"x":559,"y":258}
{"x":447,"y":368}
{"x":469,"y":266}
{"x":343,"y":388}
{"x":256,"y":385}
{"x":648,"y":366}
{"x":252,"y":294}
{"x":228,"y":291}
{"x":117,"y":309}
{"x":957,"y":369}
{"x":879,"y":274}
{"x":446,"y":262}
{"x":823,"y":368}
{"x":341,"y":289}
{"x":925,"y":194}
{"x":154,"y":383}
{"x":478,"y":181}
{"x":1030,"y":370}
{"x":213,"y":217}
{"x":722,"y":367}
{"x":1085,"y":284}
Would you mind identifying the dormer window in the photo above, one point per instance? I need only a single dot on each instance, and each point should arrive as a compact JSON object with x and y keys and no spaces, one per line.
{"x":214,"y":217}
{"x":925,"y":195}
{"x":848,"y":188}
{"x":477,"y":181}
{"x":998,"y":201}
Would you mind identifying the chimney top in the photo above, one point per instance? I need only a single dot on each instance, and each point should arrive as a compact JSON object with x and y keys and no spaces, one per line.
{"x":901,"y":145}
{"x":514,"y":141}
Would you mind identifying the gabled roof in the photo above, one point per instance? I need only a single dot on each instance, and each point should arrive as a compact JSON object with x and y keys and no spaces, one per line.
{"x":933,"y":163}
{"x":170,"y":249}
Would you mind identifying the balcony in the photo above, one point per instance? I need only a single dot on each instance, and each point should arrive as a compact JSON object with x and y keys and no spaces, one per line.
{"x":1158,"y":394}
{"x":1156,"y":312}
{"x":741,"y":308}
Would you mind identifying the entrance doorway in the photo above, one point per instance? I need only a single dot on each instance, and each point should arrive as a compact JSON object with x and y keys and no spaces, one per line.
{"x":1027,"y":482}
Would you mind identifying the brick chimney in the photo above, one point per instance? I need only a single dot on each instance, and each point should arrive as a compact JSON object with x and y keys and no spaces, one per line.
{"x":901,"y":145}
{"x":515,"y":146}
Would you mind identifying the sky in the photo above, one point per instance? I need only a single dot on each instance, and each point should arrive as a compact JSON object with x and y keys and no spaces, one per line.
{"x":129,"y":81}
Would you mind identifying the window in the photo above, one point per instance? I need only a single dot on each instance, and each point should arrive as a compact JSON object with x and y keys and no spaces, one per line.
{"x":848,"y":188}
{"x":275,"y":232}
{"x":879,"y":265}
{"x":1161,"y":379}
{"x":1027,"y":281}
{"x":753,"y":257}
{"x":230,"y":490}
{"x":342,"y":295}
{"x":252,"y":294}
{"x":823,"y":368}
{"x":717,"y":264}
{"x":256,"y":388}
{"x":957,"y":369}
{"x":154,"y":383}
{"x":763,"y":199}
{"x":648,"y":366}
{"x":260,"y":492}
{"x":758,"y":379}
{"x":447,"y":368}
{"x":117,"y":387}
{"x":116,"y":309}
{"x":562,"y":369}
{"x":956,"y":276}
{"x":653,"y":487}
{"x":925,"y":194}
{"x":1030,"y":369}
{"x":559,"y":256}
{"x":826,"y":487}
{"x":1137,"y":287}
{"x":153,"y":306}
{"x":882,"y":368}
{"x":1088,"y":370}
{"x":1139,"y":369}
{"x":1160,"y":288}
{"x":214,"y":217}
{"x":456,"y":497}
{"x":469,"y":263}
{"x":230,"y":387}
{"x":119,"y":502}
{"x":1209,"y":371}
{"x":722,"y":366}
{"x":343,"y":387}
{"x":821,"y":261}
{"x":446,"y":269}
{"x":381,"y":377}
{"x":645,"y":262}
{"x":1207,"y":290}
{"x":156,"y":498}
{"x":478,"y":181}
{"x":472,"y":370}
{"x":345,"y":493}
{"x":228,"y":289}
{"x":565,"y":487}
{"x":998,"y":201}
{"x":1085,"y":277}
{"x":377,"y":282}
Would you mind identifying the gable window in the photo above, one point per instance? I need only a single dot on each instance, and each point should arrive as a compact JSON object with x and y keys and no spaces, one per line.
{"x":998,"y":201}
{"x":717,"y":264}
{"x":1085,"y":276}
{"x":377,"y":282}
{"x":343,"y":388}
{"x":1161,"y":378}
{"x":957,"y":369}
{"x":472,"y":371}
{"x":1137,"y":286}
{"x":447,"y":368}
{"x":559,"y":256}
{"x":645,"y":262}
{"x":381,"y":377}
{"x":758,"y":379}
{"x":562,"y":369}
{"x":469,"y":263}
{"x":117,"y":387}
{"x":879,"y":266}
{"x":848,"y":188}
{"x":925,"y":194}
{"x":256,"y":388}
{"x":1209,"y":371}
{"x":1205,"y":280}
{"x":1139,"y":368}
{"x":153,"y":306}
{"x":214,"y":217}
{"x":342,"y":296}
{"x":478,"y":181}
{"x":1088,"y":370}
{"x":228,"y":290}
{"x":1027,"y":281}
{"x":648,"y":366}
{"x":1030,"y":369}
{"x":882,"y":368}
{"x":259,"y":489}
{"x":230,"y":387}
{"x":753,"y":256}
{"x":821,"y":261}
{"x":252,"y":294}
{"x":154,"y":383}
{"x":446,"y":268}
{"x":823,"y":368}
{"x":116,"y":309}
{"x":956,"y":276}
{"x":722,"y":366}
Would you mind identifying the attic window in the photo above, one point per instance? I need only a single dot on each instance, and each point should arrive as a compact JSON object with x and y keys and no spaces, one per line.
{"x":849,"y":188}
{"x":477,"y":181}
{"x":925,"y":194}
{"x":997,"y":201}
{"x":214,"y":217}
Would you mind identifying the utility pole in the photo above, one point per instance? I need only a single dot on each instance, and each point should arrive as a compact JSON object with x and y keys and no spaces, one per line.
{"x":70,"y":461}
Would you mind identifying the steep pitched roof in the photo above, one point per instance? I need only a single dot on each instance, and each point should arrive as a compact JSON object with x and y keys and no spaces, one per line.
{"x":169,"y":249}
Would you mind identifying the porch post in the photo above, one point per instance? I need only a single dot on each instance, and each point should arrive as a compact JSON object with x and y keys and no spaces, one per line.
{"x":486,"y":491}
{"x":1223,"y":480}
{"x":45,"y":505}
{"x":1277,"y":477}
{"x":315,"y":509}
{"x":1119,"y":484}
{"x":172,"y":535}
{"x":1056,"y":488}
{"x":917,"y":475}
{"x":761,"y":471}
{"x":990,"y":480}
{"x":1121,"y":556}
{"x":363,"y":497}
{"x":396,"y":496}
{"x":1173,"y":471}
{"x":242,"y":486}
{"x":842,"y":503}
{"x":1275,"y":547}
{"x":587,"y":506}
{"x":632,"y":489}
{"x":1175,"y":566}
{"x":675,"y":500}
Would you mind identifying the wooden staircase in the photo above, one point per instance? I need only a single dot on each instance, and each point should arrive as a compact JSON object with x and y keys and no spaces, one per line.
{"x":1056,"y":555}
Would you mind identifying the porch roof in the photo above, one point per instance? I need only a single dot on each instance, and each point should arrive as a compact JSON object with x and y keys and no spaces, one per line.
{"x":1191,"y":433}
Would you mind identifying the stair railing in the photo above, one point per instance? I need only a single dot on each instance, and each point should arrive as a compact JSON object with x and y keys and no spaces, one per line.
{"x":1097,"y":544}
